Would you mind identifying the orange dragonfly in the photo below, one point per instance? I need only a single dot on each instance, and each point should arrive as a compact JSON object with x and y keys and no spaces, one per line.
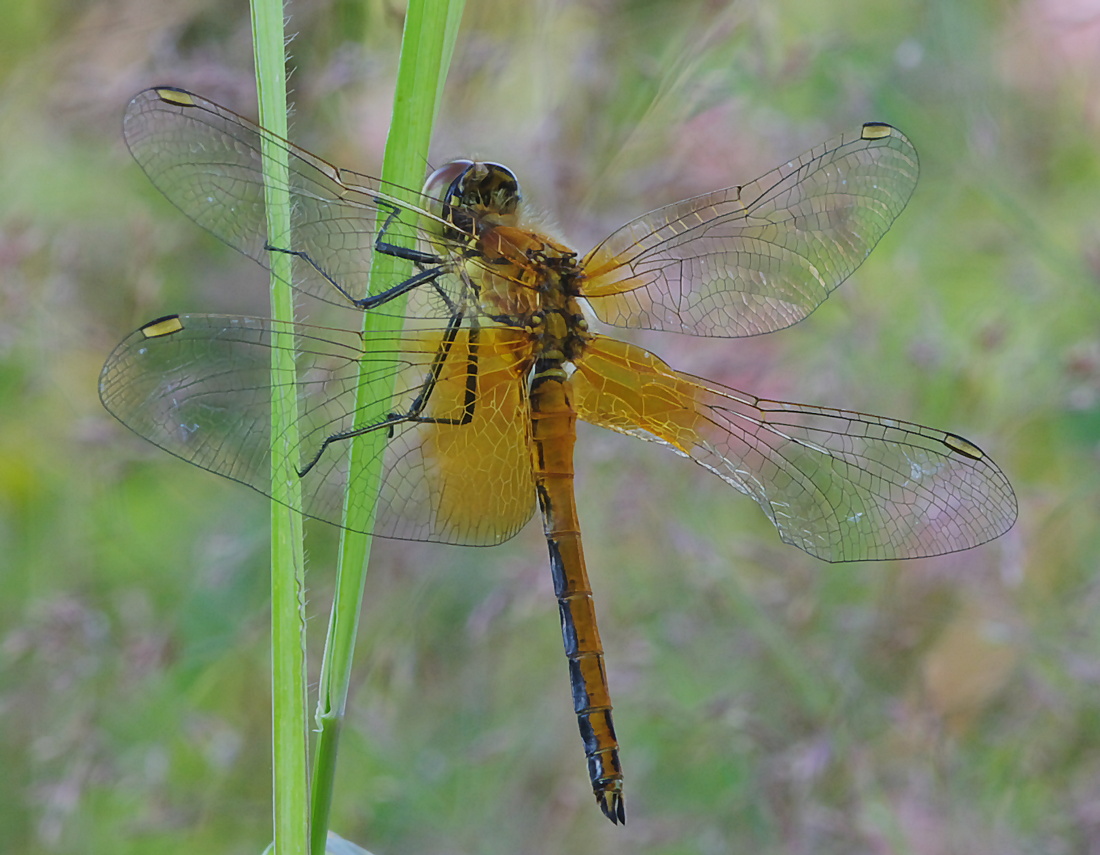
{"x":497,"y":362}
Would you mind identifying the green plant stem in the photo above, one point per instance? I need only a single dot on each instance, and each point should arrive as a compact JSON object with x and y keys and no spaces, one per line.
{"x":288,"y":667}
{"x":428,"y":40}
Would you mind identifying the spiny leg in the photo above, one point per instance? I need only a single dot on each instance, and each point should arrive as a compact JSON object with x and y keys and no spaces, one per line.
{"x":416,"y":409}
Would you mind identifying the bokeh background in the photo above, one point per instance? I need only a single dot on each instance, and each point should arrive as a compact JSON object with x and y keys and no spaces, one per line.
{"x":766,"y":702}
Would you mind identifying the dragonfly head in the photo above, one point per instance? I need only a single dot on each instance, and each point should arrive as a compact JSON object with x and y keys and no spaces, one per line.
{"x":463,"y":192}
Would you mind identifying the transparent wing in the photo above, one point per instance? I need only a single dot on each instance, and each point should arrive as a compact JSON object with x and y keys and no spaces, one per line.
{"x":207,"y":161}
{"x":199,"y":386}
{"x":843,"y":486}
{"x":757,"y":258}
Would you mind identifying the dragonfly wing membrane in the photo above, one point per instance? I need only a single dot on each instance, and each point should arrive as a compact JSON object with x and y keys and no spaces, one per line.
{"x":199,"y":387}
{"x":207,"y":161}
{"x":756,"y":258}
{"x":464,"y":471}
{"x":841,"y":485}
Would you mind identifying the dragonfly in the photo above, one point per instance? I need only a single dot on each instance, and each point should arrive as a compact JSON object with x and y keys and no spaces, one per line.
{"x":472,"y":403}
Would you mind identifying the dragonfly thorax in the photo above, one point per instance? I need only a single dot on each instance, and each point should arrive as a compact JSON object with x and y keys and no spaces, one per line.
{"x":525,"y":279}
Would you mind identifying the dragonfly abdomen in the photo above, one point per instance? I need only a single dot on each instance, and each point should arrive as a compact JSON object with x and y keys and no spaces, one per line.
{"x":553,"y":437}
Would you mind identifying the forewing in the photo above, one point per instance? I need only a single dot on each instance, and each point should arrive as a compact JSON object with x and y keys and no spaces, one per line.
{"x":760,"y":257}
{"x":207,"y":161}
{"x":843,"y":486}
{"x":199,"y":386}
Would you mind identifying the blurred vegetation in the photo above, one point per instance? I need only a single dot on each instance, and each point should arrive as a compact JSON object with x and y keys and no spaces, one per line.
{"x":765,"y":702}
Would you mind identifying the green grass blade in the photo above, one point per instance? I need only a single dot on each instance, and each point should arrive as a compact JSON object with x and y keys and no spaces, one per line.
{"x":427,"y":43}
{"x":289,"y":717}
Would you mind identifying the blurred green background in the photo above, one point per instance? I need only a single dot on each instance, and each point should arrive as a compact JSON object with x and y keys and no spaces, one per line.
{"x":765,"y":702}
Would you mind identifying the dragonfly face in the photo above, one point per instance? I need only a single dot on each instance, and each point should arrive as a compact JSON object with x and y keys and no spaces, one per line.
{"x":463,"y":192}
{"x":497,"y":362}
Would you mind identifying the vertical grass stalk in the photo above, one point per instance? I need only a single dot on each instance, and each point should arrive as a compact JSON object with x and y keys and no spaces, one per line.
{"x":428,"y":40}
{"x":289,"y":716}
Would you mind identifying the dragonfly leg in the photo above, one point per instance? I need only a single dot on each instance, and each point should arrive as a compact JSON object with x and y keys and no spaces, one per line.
{"x":432,"y":377}
{"x":420,"y":259}
{"x":366,"y":303}
{"x":415,"y":411}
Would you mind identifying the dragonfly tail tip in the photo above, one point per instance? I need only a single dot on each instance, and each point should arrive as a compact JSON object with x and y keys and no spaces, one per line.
{"x":613,"y":806}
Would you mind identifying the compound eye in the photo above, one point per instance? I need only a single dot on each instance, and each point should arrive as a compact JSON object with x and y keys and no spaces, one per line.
{"x":498,"y":188}
{"x":443,"y":185}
